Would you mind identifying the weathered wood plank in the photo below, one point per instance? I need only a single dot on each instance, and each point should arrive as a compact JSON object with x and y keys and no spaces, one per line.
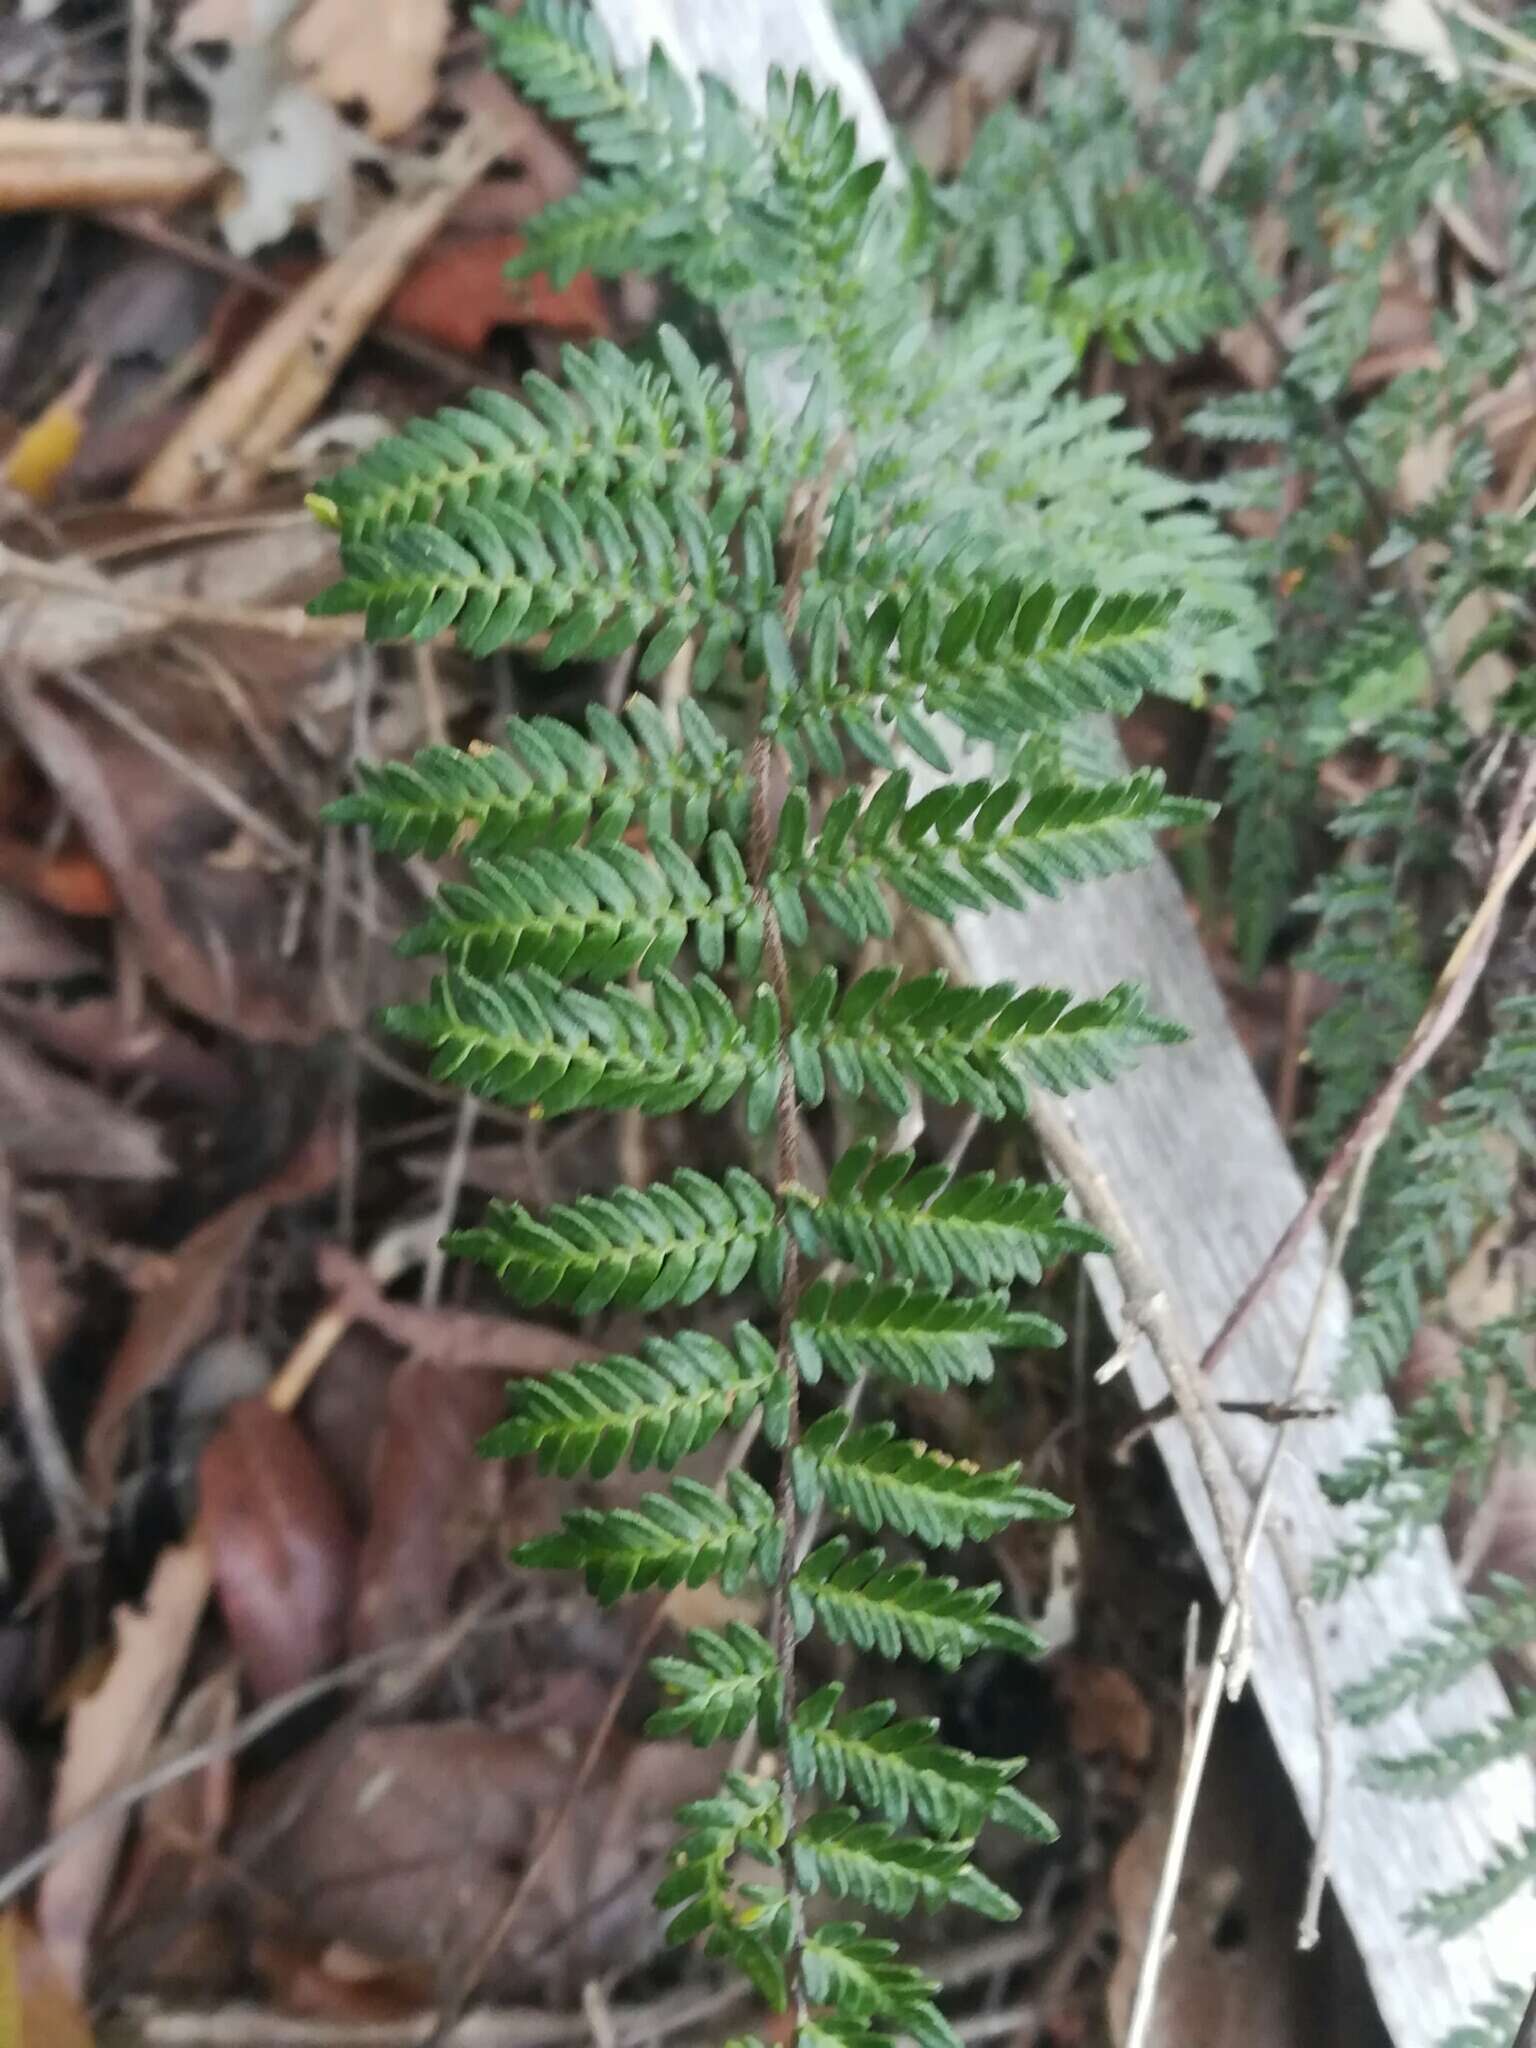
{"x":1192,"y":1152}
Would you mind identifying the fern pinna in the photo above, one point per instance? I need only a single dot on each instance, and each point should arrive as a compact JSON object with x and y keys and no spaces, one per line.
{"x":659,"y":913}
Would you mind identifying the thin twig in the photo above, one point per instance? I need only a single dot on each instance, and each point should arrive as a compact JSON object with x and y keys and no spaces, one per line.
{"x":448,"y":1199}
{"x":287,"y":622}
{"x":1452,"y":993}
{"x":1226,"y":1672}
{"x":73,"y":1516}
{"x":241,"y":1734}
{"x":447,"y":2020}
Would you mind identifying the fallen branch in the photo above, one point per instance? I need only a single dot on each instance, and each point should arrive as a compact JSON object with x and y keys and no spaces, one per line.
{"x":48,"y":165}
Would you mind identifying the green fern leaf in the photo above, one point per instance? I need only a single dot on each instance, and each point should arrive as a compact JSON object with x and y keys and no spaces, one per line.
{"x":651,"y":1411}
{"x":550,"y":787}
{"x":858,"y":1598}
{"x":908,"y":1334}
{"x":984,"y":1047}
{"x":529,"y":1039}
{"x":640,"y":1248}
{"x":728,"y":1682}
{"x":880,"y":1480}
{"x":837,"y":1851}
{"x":883,"y":1217}
{"x":681,"y":1537}
{"x":861,"y":1978}
{"x":896,"y":1768}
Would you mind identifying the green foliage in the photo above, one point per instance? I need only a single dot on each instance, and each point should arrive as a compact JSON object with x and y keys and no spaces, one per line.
{"x":656,"y":913}
{"x":1499,"y":1620}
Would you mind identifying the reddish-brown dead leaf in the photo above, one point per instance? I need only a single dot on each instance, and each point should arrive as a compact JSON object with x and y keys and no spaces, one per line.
{"x":37,"y":2009}
{"x":1107,"y":1712}
{"x":408,"y":1839}
{"x":51,"y":1123}
{"x":449,"y":1337}
{"x":180,"y":1305}
{"x":35,"y":946}
{"x":181,"y":1823}
{"x":214,"y":936}
{"x":330,"y":1981}
{"x":283,"y":1554}
{"x":107,"y":1738}
{"x":434,"y":1501}
{"x":460,"y":291}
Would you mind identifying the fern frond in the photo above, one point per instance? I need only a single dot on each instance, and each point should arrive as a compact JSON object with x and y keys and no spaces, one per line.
{"x":747,"y":1922}
{"x":1495,"y":2022}
{"x":614,"y":422}
{"x":528,"y":1038}
{"x":681,"y":1537}
{"x":598,"y":912}
{"x":1509,"y":1871}
{"x":1453,"y":1759}
{"x":860,"y":1977}
{"x":927,"y":1226}
{"x":551,"y":787}
{"x":653,"y":1410}
{"x":880,"y":1481}
{"x":594,"y":572}
{"x":900,"y":1768}
{"x":908,"y":1334}
{"x":641,"y":1248}
{"x":728,"y":1682}
{"x":981,"y":1046}
{"x":858,"y":1598}
{"x":836,"y":1850}
{"x":1501,"y":1619}
{"x":961,"y":847}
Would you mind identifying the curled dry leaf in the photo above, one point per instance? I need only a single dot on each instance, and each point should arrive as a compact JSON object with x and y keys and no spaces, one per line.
{"x":106,"y":1740}
{"x":449,"y":1337}
{"x":212,"y":932}
{"x":282,"y":1552}
{"x":180,"y":1305}
{"x":434,"y":1501}
{"x":407,"y":1841}
{"x":53,"y":1124}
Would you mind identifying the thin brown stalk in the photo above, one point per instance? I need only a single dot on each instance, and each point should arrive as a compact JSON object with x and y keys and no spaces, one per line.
{"x":72,"y":1514}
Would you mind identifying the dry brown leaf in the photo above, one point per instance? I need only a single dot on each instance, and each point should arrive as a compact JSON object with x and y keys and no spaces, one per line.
{"x":53,"y":1124}
{"x":245,"y":418}
{"x":46,"y":163}
{"x":37,"y":2009}
{"x":106,"y":1740}
{"x":408,"y":1839}
{"x":36,"y":946}
{"x":95,"y":1033}
{"x":446,"y":1336}
{"x":179,"y":1306}
{"x":214,"y":936}
{"x":1233,"y":1977}
{"x":281,"y":566}
{"x":459,"y":292}
{"x":1107,"y":1712}
{"x":376,"y":56}
{"x":183,"y":1822}
{"x":283,"y":1554}
{"x":434,"y":1501}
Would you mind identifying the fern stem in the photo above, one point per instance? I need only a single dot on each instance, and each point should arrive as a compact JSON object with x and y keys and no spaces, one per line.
{"x":786,"y":1177}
